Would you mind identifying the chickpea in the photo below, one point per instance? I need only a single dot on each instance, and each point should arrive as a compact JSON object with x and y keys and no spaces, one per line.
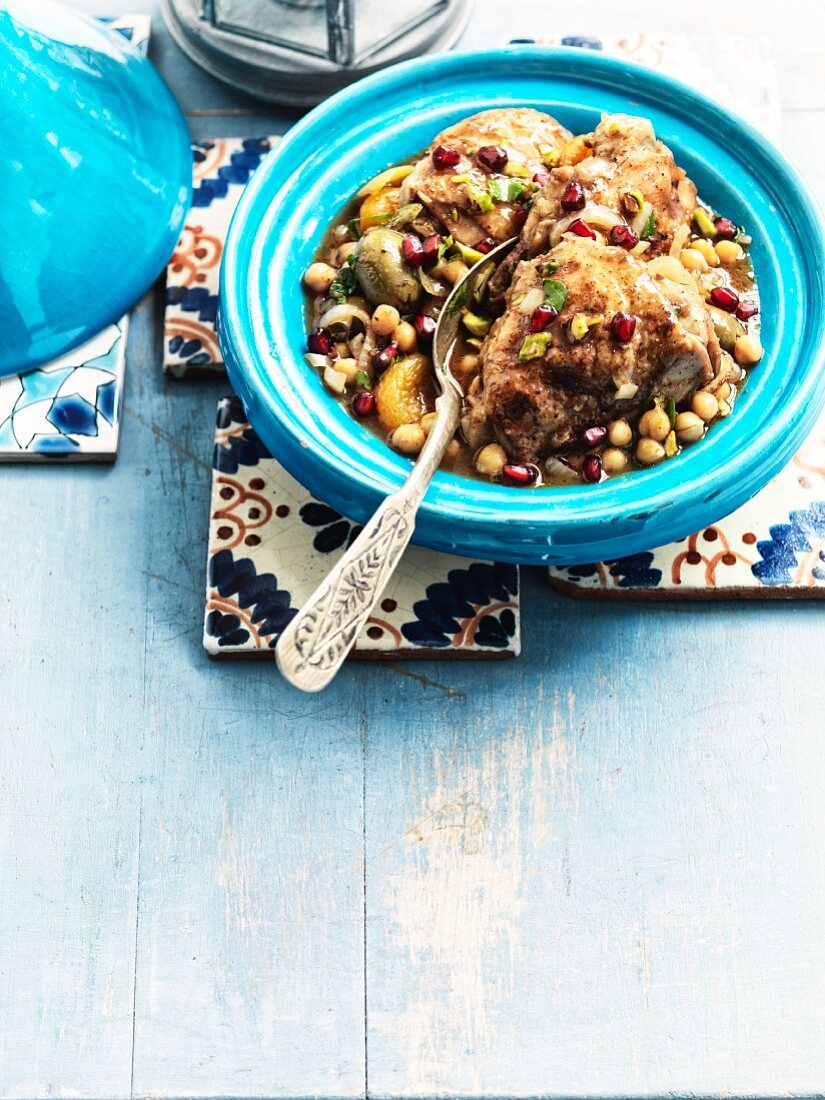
{"x":319,"y":278}
{"x":385,"y":320}
{"x":729,"y":252}
{"x":468,"y":364}
{"x":690,"y":427}
{"x":649,"y":452}
{"x":404,"y":336}
{"x":747,"y":350}
{"x":693,"y":260}
{"x":408,"y":438}
{"x":348,"y":367}
{"x":613,"y":460}
{"x":490,"y":460}
{"x":655,"y":425}
{"x":427,"y":421}
{"x":453,"y":450}
{"x":620,"y":433}
{"x":707,"y":250}
{"x":705,"y":405}
{"x":344,"y":252}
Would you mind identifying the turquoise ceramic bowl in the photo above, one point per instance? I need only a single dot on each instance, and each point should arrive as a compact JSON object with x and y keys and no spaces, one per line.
{"x":287,"y":207}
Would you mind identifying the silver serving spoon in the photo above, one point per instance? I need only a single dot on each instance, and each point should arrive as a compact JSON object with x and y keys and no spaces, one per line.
{"x":313,"y":647}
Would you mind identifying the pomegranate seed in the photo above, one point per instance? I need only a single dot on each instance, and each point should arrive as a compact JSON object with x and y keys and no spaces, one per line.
{"x":725,"y":229}
{"x":581,"y":229}
{"x":594,"y":436}
{"x":319,"y":341}
{"x":363,"y":404}
{"x":542,"y":317}
{"x":382,"y":358}
{"x":487,"y":245}
{"x":520,"y":473}
{"x":519,"y":217}
{"x":429,"y":249}
{"x":725,"y":298}
{"x":592,"y":469}
{"x":746,"y":310}
{"x":624,"y":236}
{"x":572,"y":197}
{"x":445,"y":157}
{"x":492,"y":158}
{"x":412,"y":251}
{"x":541,"y":178}
{"x":623,"y":326}
{"x":424,"y":326}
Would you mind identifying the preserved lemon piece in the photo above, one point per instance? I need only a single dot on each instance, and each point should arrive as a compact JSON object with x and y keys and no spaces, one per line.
{"x":405,"y":392}
{"x":375,"y":207}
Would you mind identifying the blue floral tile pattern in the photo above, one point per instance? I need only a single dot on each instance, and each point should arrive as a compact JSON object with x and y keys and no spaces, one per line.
{"x":70,"y":408}
{"x":271,"y":542}
{"x":220,"y":171}
{"x":774,"y":546}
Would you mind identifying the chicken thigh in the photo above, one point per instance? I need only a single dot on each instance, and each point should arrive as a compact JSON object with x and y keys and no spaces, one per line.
{"x":626,"y":331}
{"x":474,"y":173}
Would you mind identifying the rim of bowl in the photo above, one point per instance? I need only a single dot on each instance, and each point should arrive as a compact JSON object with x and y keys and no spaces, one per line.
{"x":751,"y":464}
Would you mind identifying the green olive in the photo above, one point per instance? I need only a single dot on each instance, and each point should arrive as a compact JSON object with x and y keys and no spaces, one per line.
{"x":728,"y":329}
{"x":380,"y":269}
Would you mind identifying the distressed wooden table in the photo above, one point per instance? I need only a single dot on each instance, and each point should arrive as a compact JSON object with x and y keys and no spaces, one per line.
{"x":595,"y":871}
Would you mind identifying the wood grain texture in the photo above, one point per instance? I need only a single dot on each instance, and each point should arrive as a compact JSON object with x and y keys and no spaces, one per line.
{"x":597,"y":870}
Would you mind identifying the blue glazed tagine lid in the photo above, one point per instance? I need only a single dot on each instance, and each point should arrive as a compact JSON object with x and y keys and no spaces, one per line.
{"x":95,"y":178}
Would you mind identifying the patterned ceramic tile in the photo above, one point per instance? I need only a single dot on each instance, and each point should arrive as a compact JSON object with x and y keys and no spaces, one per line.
{"x":221,"y":169}
{"x":698,"y":59}
{"x":69,"y":409}
{"x":772,"y":547}
{"x":271,"y":543}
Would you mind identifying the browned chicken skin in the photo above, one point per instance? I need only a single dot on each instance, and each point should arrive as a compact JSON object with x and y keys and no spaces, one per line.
{"x":526,"y":135}
{"x":537,"y":405}
{"x":626,"y":158}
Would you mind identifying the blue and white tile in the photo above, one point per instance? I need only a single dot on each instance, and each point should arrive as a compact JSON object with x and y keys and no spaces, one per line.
{"x":69,"y":409}
{"x":271,"y":543}
{"x":220,"y":171}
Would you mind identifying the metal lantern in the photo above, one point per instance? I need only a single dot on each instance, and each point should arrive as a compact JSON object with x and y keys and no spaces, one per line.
{"x":298,"y":52}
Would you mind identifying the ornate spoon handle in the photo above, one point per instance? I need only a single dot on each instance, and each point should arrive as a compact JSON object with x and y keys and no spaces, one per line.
{"x":313,"y":647}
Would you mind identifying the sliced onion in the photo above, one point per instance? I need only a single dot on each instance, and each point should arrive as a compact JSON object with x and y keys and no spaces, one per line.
{"x":626,"y":391}
{"x":386,"y":179}
{"x":679,"y":239}
{"x":670,"y":268}
{"x":640,"y":248}
{"x":317,"y":361}
{"x":433,"y":286}
{"x":356,"y":343}
{"x":596,"y":216}
{"x":344,"y":314}
{"x":531,"y":300}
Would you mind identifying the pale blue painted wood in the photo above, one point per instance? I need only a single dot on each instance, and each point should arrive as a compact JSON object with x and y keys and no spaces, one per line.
{"x":596,"y":870}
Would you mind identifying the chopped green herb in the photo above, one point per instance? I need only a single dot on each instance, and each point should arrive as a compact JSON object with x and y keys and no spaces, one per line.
{"x":363,"y":380}
{"x":353,"y":227}
{"x":671,"y":411}
{"x":534,"y":346}
{"x":650,"y":225}
{"x":445,"y":246}
{"x":481,"y":199}
{"x":458,"y":301}
{"x":555,"y":294}
{"x":344,"y":285}
{"x":506,"y":190}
